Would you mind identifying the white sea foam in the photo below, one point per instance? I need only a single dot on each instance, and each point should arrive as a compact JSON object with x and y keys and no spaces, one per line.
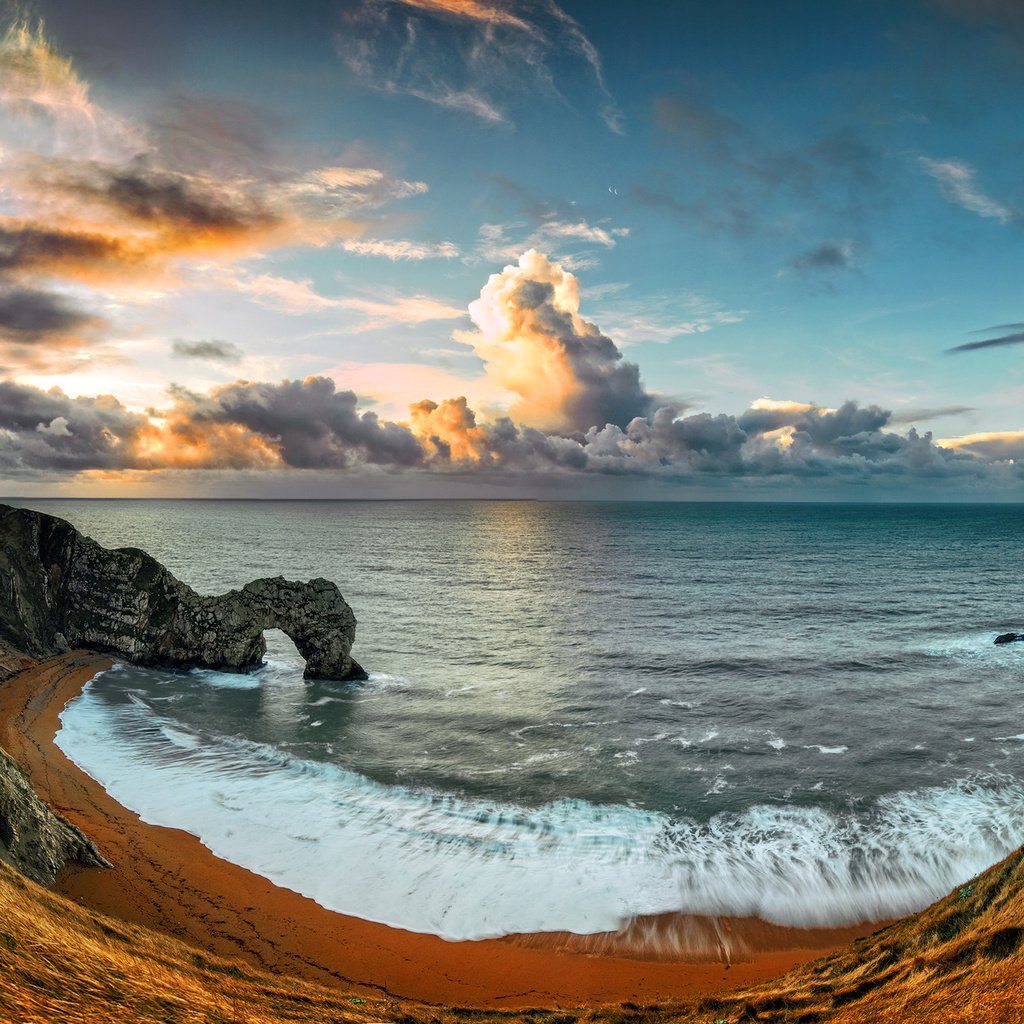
{"x":467,"y":868}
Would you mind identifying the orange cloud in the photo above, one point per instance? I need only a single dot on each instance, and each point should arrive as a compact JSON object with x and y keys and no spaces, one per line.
{"x":568,"y":375}
{"x":449,"y":430}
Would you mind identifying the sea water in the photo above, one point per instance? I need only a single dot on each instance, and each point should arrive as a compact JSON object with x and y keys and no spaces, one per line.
{"x":582,"y":712}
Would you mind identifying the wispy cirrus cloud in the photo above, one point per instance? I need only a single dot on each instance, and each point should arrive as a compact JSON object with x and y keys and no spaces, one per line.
{"x":398,"y":249}
{"x":299,"y":297}
{"x":957,"y":180}
{"x":463,"y":55}
{"x":403,"y":310}
{"x":576,"y":243}
{"x":663,"y":318}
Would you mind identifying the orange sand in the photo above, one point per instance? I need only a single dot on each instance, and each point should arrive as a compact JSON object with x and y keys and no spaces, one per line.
{"x":165,"y":879}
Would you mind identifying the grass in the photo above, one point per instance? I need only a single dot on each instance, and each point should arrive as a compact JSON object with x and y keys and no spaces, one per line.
{"x":961,"y":961}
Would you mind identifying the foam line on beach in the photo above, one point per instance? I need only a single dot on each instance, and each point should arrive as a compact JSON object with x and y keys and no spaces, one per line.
{"x":464,"y":868}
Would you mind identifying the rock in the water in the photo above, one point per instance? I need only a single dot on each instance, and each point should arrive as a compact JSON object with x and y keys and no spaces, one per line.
{"x":60,"y":589}
{"x":34,"y":839}
{"x":1010,"y":638}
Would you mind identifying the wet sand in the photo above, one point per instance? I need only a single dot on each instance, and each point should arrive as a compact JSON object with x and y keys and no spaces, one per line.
{"x":166,"y":879}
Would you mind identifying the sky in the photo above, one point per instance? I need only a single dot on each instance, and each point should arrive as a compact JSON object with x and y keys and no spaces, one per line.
{"x":512,"y":248}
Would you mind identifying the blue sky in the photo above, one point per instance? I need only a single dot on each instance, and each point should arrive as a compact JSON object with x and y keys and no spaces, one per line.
{"x":775,"y":208}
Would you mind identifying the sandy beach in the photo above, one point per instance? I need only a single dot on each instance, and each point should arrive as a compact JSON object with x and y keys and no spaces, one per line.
{"x":166,"y":879}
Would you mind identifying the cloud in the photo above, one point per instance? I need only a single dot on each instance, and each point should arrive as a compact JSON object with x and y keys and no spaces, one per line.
{"x":212,"y":351}
{"x":561,"y":239}
{"x":1004,"y":340}
{"x":921,"y":415}
{"x":957,"y":182}
{"x":568,"y":375}
{"x":307,"y":424}
{"x":398,"y":250}
{"x":281,"y":294}
{"x":662,"y":319}
{"x":406,"y":310}
{"x":43,"y":330}
{"x":578,"y":408}
{"x":312,"y":425}
{"x":30,"y":315}
{"x":462,"y":55}
{"x":300,"y":298}
{"x":48,"y":431}
{"x":48,"y":103}
{"x":829,"y":257}
{"x":998,"y":445}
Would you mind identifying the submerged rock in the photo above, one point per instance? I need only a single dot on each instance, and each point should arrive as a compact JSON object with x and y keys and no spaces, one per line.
{"x":60,"y":589}
{"x":34,"y":839}
{"x":1010,"y":638}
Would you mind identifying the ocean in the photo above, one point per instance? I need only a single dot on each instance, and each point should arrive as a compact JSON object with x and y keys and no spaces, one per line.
{"x":578,"y":713}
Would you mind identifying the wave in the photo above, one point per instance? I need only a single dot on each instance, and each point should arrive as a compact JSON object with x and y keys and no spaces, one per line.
{"x":465,"y":868}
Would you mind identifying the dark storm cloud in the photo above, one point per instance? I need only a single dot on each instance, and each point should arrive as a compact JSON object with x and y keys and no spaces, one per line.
{"x":212,"y":350}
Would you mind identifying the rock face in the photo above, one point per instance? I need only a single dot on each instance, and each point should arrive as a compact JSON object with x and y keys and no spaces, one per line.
{"x":1010,"y":638}
{"x":34,"y":839}
{"x":60,"y":589}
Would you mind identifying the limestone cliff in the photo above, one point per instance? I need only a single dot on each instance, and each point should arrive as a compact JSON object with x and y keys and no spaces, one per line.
{"x":34,"y":839}
{"x":60,"y":589}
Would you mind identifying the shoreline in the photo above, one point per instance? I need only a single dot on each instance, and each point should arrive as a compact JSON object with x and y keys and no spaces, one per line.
{"x":165,"y":879}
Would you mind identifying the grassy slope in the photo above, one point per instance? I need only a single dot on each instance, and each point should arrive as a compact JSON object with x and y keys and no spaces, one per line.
{"x":960,"y":961}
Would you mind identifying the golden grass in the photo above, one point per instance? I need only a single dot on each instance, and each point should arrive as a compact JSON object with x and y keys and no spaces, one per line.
{"x":961,"y":961}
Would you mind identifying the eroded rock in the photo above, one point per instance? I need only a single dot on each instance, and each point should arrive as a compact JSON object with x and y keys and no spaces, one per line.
{"x":34,"y":839}
{"x":60,"y":589}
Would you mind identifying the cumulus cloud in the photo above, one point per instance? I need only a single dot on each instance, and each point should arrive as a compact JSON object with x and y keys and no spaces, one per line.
{"x":579,"y":408}
{"x":312,"y":425}
{"x":307,"y":423}
{"x":567,"y":374}
{"x":463,"y":55}
{"x":212,"y":351}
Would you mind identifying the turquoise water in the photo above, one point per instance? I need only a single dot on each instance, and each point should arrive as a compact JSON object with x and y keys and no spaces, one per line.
{"x":582,"y":712}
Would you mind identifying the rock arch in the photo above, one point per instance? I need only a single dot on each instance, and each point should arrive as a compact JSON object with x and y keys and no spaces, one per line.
{"x":62,"y":589}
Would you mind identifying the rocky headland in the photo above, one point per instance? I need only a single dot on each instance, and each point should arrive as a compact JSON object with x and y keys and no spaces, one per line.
{"x":61,"y":590}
